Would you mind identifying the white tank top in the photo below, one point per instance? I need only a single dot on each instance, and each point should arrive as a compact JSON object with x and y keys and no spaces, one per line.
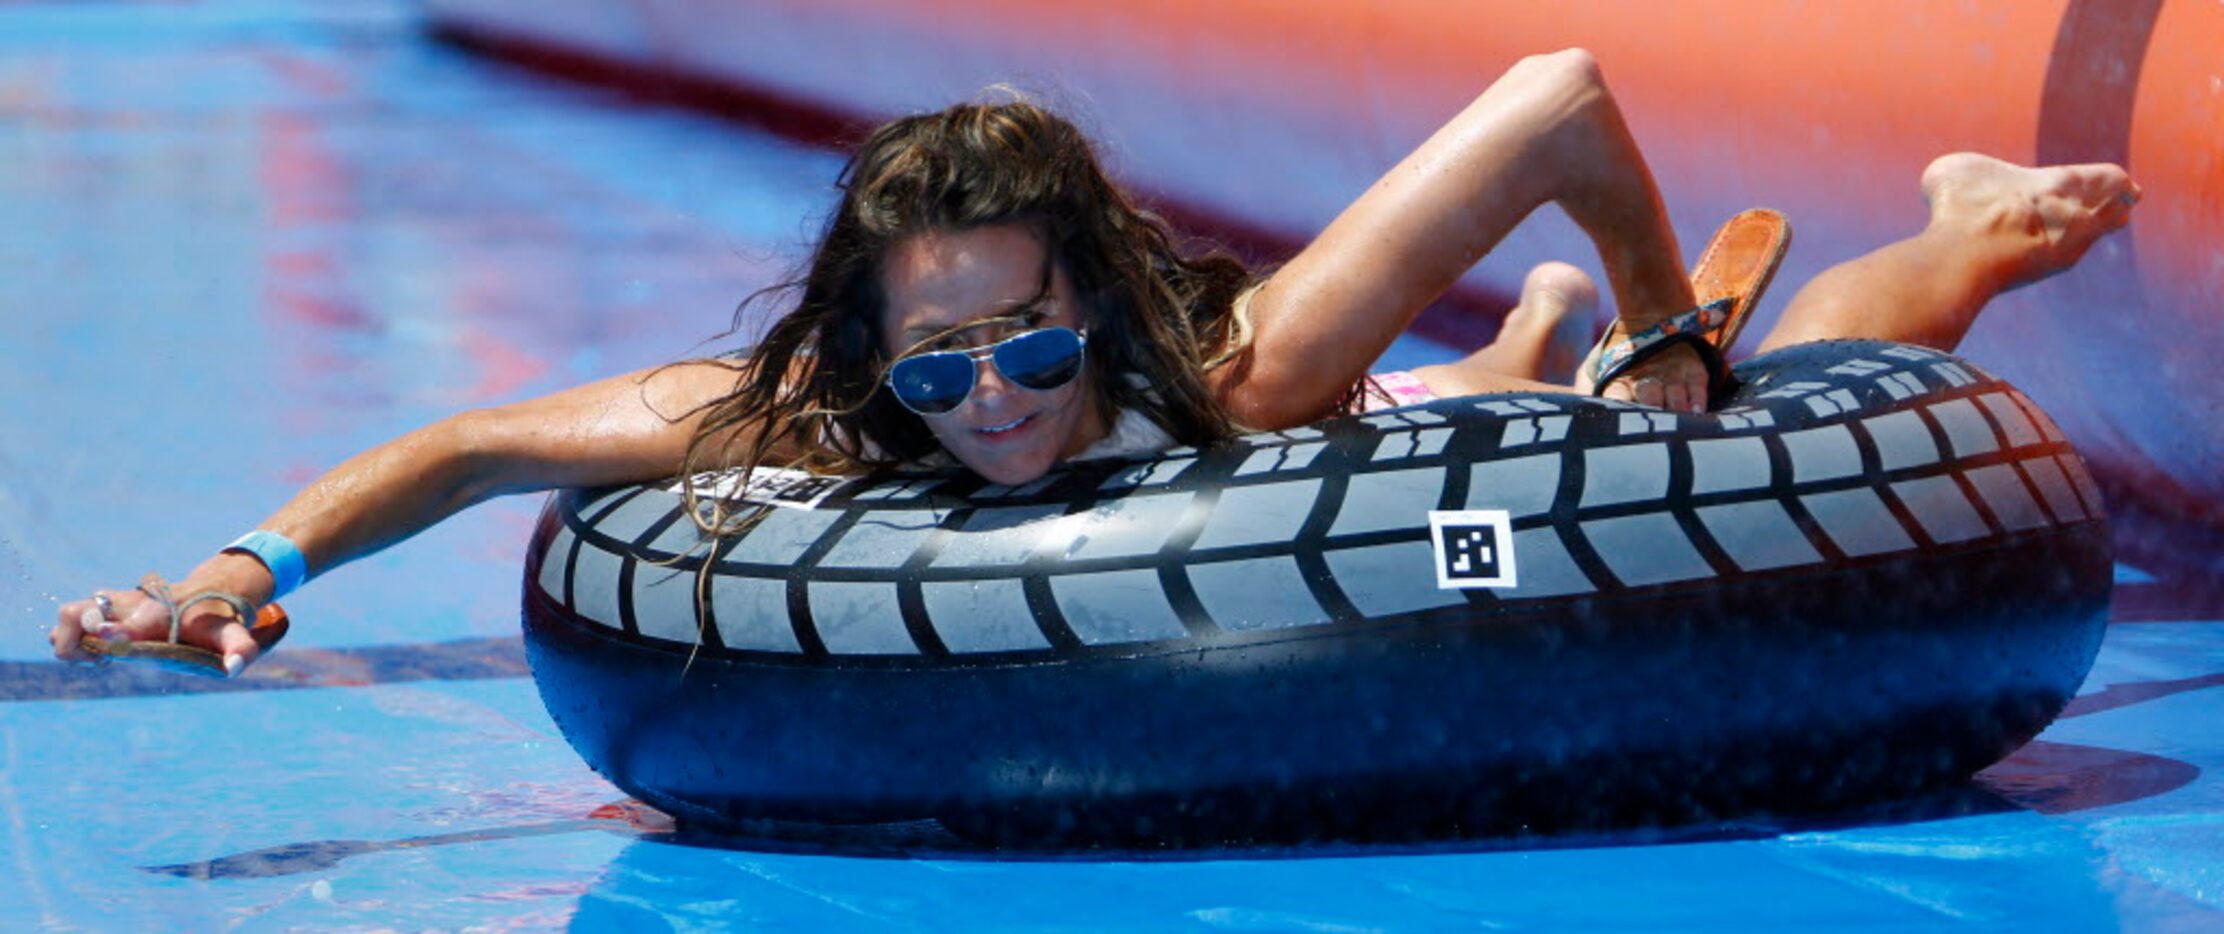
{"x":1133,"y":434}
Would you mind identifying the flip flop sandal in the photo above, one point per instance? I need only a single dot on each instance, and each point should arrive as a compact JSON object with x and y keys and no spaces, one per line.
{"x":1687,"y":329}
{"x":269,"y":625}
{"x":1732,"y":272}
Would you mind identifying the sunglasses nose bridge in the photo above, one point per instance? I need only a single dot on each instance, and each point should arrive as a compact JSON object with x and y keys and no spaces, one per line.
{"x":988,"y":377}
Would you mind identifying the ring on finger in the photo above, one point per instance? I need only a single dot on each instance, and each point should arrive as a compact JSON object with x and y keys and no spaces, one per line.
{"x":107,"y":606}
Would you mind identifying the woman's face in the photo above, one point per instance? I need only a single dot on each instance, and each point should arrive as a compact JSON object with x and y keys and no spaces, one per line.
{"x":952,"y":287}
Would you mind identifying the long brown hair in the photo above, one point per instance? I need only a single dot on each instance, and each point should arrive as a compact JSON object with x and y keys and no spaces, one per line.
{"x":807,"y":389}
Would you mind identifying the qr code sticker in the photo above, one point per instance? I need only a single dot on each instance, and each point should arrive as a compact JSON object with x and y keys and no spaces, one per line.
{"x":795,"y":489}
{"x":1474,"y":548}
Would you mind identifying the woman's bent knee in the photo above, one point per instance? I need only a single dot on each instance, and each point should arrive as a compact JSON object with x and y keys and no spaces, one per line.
{"x":1570,"y":71}
{"x":1554,"y":88}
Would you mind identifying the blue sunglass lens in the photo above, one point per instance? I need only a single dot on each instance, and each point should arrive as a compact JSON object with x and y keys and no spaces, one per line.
{"x":1040,"y":360}
{"x":932,"y":383}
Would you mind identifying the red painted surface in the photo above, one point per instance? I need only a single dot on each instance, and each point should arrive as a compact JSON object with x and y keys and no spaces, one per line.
{"x":1273,"y":114}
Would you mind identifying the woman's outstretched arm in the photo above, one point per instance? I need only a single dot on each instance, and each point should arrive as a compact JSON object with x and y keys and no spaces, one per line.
{"x":634,"y":427}
{"x":1548,"y":131}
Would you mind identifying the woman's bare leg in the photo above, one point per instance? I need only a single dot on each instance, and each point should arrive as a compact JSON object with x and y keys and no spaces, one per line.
{"x":1994,"y":226}
{"x":1546,"y":132}
{"x":1542,"y":339}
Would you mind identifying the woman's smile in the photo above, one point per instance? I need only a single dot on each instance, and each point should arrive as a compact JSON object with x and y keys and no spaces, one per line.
{"x":1006,"y":429}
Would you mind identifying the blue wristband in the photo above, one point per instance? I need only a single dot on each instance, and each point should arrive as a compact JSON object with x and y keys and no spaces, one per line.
{"x":288,"y":566}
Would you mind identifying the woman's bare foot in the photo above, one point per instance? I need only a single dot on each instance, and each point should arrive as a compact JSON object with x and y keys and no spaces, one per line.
{"x":1547,"y":334}
{"x":1994,"y":226}
{"x":2040,"y":220}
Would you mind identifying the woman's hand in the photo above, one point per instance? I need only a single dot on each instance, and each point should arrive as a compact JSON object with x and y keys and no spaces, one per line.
{"x":134,"y":616}
{"x":1675,"y":380}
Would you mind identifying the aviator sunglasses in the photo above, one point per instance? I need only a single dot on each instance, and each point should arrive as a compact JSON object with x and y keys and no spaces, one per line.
{"x":937,"y":383}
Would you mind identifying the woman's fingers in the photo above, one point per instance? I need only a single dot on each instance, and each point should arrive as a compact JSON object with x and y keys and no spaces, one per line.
{"x":1647,"y":390}
{"x":81,"y":618}
{"x":69,"y":630}
{"x":1675,"y":380}
{"x":236,"y":645}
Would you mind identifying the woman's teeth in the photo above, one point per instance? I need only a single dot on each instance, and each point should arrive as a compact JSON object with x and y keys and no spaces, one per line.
{"x":1007,"y":426}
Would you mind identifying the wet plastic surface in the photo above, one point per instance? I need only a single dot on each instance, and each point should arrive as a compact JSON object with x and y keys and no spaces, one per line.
{"x":240,"y":242}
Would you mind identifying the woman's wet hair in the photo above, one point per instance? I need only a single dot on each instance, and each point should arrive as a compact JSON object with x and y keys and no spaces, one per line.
{"x":808,"y":394}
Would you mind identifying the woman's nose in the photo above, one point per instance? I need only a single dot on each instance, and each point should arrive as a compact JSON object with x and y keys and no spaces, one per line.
{"x":989,"y":383}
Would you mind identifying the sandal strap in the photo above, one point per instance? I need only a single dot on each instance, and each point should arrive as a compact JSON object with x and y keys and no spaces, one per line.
{"x":158,"y":590}
{"x":1705,"y":319}
{"x":242,"y":610}
{"x":1719,"y":381}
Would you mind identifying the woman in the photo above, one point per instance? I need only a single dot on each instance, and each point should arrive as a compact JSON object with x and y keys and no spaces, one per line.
{"x":983,"y":293}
